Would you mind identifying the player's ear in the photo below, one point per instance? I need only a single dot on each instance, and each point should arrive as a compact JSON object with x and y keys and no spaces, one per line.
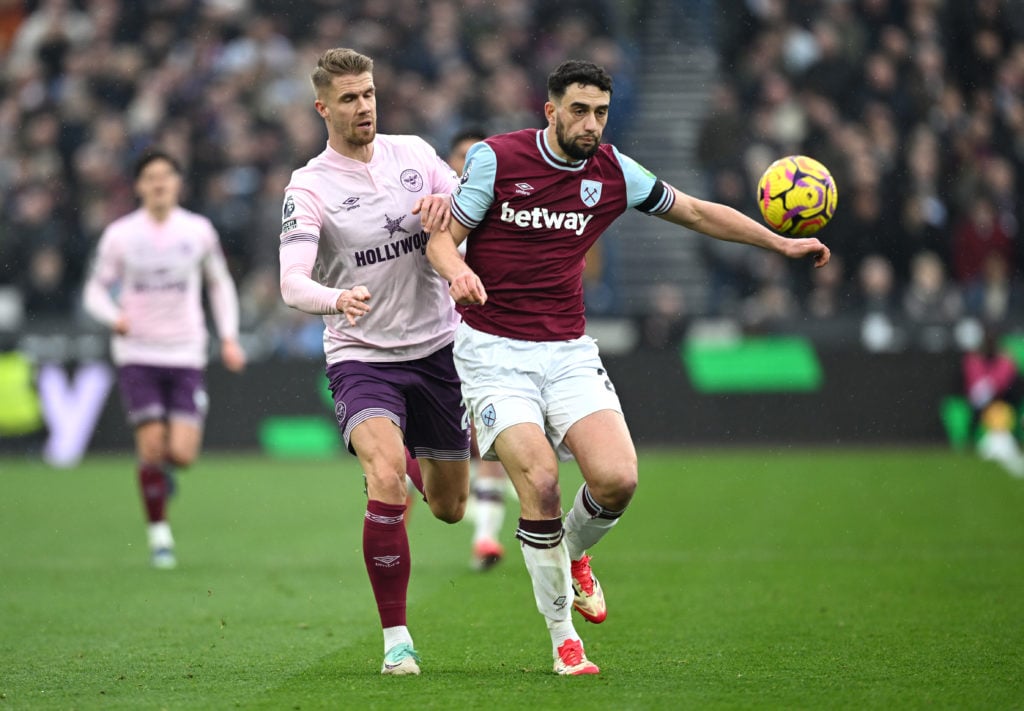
{"x":320,"y":108}
{"x":549,"y":112}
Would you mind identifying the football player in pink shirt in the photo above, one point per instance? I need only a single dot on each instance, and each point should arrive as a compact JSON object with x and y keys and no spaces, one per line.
{"x":354,"y":232}
{"x":146,"y":286}
{"x":532,"y":203}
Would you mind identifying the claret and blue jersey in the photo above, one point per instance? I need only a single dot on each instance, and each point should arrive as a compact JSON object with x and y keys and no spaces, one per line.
{"x":532,"y":217}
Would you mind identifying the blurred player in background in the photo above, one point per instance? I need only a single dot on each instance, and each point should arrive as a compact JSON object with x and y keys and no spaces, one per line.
{"x":489,"y":478}
{"x":146,"y":286}
{"x":353,"y":242}
{"x":993,"y":387}
{"x":532,"y":202}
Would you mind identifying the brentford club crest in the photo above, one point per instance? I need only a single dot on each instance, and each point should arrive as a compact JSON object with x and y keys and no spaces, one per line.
{"x":590,"y":192}
{"x":412,"y":180}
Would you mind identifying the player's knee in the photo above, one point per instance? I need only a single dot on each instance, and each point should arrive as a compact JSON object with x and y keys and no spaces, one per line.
{"x":449,"y":510}
{"x":388,"y":486}
{"x":548,"y":495}
{"x":615,"y":489}
{"x":153,"y":453}
{"x":181,"y":457}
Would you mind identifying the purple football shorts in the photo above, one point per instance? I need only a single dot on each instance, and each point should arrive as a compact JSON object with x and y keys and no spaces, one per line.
{"x":154,"y":392}
{"x":423,"y":397}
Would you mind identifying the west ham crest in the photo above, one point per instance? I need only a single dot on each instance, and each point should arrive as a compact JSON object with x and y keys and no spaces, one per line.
{"x":590,"y":192}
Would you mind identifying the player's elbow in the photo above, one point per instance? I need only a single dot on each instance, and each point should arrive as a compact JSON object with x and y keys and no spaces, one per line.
{"x":289,"y":292}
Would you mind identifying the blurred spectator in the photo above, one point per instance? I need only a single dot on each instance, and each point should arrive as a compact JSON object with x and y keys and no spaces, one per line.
{"x":47,"y":34}
{"x":723,"y":131}
{"x":996,"y":295}
{"x":828,"y":296}
{"x":977,"y":235}
{"x":36,"y":255}
{"x":730,"y":266}
{"x":773,"y":301}
{"x":931,"y":303}
{"x":663,"y":328}
{"x":879,"y":309}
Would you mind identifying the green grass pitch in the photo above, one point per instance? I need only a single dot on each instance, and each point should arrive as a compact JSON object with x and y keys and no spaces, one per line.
{"x":754,"y":579}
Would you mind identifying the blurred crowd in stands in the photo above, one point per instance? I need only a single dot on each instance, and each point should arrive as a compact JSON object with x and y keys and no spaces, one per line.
{"x":224,"y":85}
{"x":917,"y":107}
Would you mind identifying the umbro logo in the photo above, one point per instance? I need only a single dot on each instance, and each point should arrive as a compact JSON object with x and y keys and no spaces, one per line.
{"x":350,"y":204}
{"x":387,"y":561}
{"x":524,"y":189}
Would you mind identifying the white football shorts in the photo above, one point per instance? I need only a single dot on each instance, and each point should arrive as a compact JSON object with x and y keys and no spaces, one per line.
{"x":553,"y":384}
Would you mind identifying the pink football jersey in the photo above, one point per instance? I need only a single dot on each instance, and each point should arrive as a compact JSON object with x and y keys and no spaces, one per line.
{"x":151,"y":274}
{"x":346,"y":223}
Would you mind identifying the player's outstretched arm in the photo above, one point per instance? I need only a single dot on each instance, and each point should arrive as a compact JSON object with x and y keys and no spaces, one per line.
{"x":443,"y":253}
{"x":723,"y":222}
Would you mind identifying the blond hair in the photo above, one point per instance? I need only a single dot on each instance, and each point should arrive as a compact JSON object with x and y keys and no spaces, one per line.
{"x":339,"y":61}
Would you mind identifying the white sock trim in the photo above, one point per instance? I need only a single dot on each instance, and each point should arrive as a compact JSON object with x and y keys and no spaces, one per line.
{"x":396,"y":635}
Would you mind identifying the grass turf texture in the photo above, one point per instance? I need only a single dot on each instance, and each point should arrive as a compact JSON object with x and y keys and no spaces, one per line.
{"x":760,"y":579}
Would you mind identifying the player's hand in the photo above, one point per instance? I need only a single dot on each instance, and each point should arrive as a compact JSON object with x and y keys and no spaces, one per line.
{"x":808,"y":246}
{"x":435,"y":211}
{"x":232,"y":355}
{"x":352,"y":303}
{"x":120,"y":326}
{"x":467,"y":289}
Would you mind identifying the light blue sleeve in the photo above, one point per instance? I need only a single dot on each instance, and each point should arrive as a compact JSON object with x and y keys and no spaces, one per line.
{"x":475,"y":193}
{"x":639,"y":180}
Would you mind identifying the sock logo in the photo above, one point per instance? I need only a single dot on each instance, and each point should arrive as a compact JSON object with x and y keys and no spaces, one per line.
{"x":387,"y":561}
{"x":559,"y":602}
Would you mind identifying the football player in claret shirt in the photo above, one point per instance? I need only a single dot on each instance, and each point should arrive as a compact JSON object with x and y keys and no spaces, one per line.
{"x":156,"y":260}
{"x":353,"y":248}
{"x":531,"y":203}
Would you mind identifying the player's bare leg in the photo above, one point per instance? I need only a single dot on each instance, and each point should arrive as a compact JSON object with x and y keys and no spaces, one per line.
{"x":533,"y":469}
{"x":184,"y":437}
{"x":488,"y":494}
{"x":605,"y":453}
{"x":156,"y":488}
{"x":413,"y":484}
{"x":381,"y":451}
{"x":446,"y":487}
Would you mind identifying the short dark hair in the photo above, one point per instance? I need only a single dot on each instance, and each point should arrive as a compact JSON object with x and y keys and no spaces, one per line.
{"x":474,"y":133}
{"x":577,"y":71}
{"x":154,"y":154}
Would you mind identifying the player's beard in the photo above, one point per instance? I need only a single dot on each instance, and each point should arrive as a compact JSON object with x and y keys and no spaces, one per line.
{"x":358,"y":136}
{"x":570,"y":147}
